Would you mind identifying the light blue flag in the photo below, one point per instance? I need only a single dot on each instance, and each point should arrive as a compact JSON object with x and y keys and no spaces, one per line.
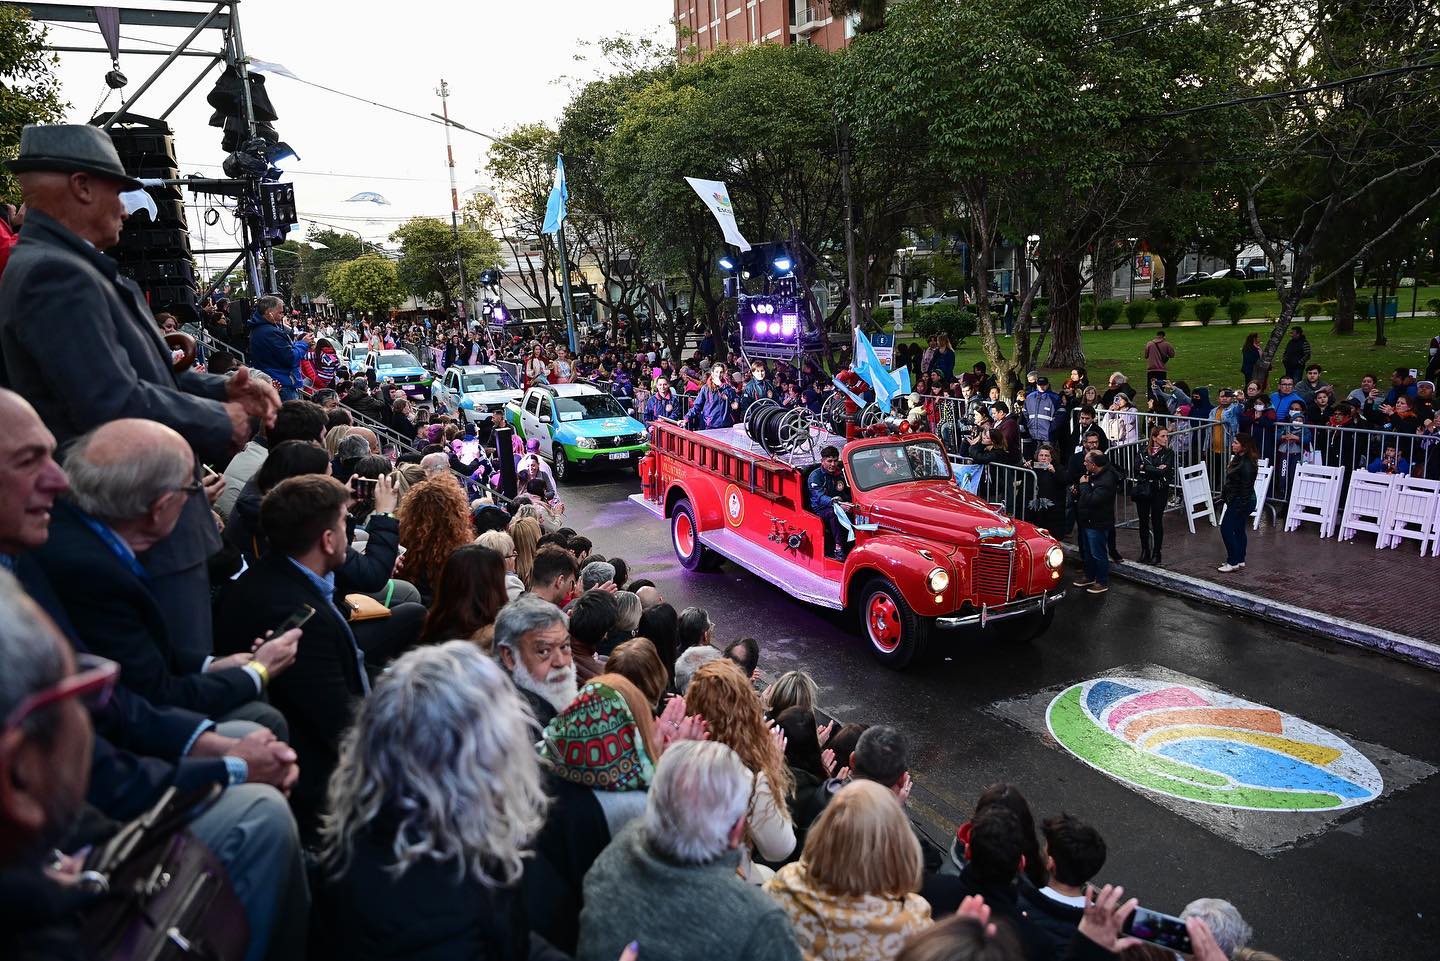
{"x":902,"y":380}
{"x":968,"y":477}
{"x":868,"y":366}
{"x":559,"y":194}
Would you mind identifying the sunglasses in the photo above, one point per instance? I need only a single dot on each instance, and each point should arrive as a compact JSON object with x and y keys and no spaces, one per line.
{"x":93,"y":683}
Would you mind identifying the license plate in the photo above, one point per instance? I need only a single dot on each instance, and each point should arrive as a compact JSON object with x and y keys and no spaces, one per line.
{"x":618,"y":456}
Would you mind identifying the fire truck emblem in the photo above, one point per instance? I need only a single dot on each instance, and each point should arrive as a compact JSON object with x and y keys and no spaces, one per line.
{"x":734,"y":506}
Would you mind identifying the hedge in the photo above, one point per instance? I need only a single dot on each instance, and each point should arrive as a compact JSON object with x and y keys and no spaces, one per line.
{"x":1136,"y":311}
{"x":1309,"y":309}
{"x":1168,"y":311}
{"x":1087,"y":309}
{"x":1236,"y":309}
{"x":1205,"y":309}
{"x":1258,"y":284}
{"x":943,"y":318}
{"x":1108,"y":312}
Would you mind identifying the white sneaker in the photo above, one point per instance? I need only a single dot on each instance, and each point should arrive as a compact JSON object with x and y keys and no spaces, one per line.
{"x":1227,"y":568}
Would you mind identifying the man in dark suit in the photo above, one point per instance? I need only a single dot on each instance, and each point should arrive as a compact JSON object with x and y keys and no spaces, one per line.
{"x":128,"y":482}
{"x":304,"y":520}
{"x":139,"y":750}
{"x":78,"y":341}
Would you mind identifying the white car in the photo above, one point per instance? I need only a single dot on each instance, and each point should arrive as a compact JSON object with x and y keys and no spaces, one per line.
{"x":475,"y":390}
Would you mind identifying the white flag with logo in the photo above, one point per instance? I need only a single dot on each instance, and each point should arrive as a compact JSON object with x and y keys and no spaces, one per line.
{"x":717,"y":198}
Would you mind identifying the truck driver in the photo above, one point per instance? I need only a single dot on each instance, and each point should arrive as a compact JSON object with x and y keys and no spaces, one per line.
{"x":827,"y":491}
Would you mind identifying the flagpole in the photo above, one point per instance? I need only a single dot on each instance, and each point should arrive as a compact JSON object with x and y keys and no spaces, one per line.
{"x":565,"y":289}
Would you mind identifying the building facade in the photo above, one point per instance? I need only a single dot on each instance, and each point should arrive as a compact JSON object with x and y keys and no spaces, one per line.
{"x":707,"y":24}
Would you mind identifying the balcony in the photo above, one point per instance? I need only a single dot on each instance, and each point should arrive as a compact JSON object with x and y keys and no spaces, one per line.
{"x":808,"y":20}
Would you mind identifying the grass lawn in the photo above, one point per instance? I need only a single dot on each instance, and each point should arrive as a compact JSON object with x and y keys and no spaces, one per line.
{"x":1210,"y":356}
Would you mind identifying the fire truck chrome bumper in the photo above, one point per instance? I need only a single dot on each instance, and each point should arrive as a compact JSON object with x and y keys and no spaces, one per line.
{"x":999,"y":612}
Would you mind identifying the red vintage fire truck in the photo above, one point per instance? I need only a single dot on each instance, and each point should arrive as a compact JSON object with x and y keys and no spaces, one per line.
{"x":927,"y":556}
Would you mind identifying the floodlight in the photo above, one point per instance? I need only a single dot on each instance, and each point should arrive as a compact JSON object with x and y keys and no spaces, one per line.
{"x":782,"y":264}
{"x":727,"y":262}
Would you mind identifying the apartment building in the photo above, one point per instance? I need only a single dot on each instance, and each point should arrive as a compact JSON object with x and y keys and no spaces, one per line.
{"x":707,"y":24}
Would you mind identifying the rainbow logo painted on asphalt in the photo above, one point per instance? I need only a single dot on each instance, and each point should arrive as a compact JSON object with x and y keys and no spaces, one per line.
{"x":1206,"y":746}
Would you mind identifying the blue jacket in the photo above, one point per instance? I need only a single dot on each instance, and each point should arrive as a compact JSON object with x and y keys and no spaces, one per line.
{"x":657,"y":406}
{"x":1041,"y":409}
{"x":1281,"y":403}
{"x":825,"y":489}
{"x":272,"y":351}
{"x":712,"y":408}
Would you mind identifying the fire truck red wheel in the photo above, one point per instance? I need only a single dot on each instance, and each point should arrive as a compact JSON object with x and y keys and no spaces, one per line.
{"x":897,"y":635}
{"x":685,"y":535}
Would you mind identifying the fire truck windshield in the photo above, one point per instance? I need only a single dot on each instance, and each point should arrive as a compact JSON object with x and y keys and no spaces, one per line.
{"x":587,"y":407}
{"x":897,"y":464}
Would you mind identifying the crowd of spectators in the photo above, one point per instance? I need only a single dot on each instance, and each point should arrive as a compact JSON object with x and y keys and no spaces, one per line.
{"x":433,"y":721}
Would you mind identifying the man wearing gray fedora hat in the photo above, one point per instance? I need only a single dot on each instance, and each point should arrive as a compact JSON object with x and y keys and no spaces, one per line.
{"x":77,"y":340}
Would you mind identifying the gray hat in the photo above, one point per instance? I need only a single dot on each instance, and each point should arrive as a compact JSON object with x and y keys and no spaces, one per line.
{"x":70,"y":148}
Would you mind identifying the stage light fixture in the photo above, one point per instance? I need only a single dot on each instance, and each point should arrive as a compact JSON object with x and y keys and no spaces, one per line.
{"x":281,"y":155}
{"x":727,"y":262}
{"x":782,"y":264}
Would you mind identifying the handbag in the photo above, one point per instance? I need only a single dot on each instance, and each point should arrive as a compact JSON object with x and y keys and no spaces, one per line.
{"x":363,"y":607}
{"x":1142,"y":490}
{"x":160,"y":893}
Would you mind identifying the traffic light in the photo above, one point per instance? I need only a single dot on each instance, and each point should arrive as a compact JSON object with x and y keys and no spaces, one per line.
{"x":155,"y":254}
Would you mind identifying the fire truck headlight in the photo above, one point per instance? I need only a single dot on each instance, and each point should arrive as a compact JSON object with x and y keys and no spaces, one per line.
{"x":1054,"y":557}
{"x":938,"y":581}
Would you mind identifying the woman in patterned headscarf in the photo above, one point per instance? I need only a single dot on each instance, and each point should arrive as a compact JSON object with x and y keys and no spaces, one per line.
{"x":599,"y":754}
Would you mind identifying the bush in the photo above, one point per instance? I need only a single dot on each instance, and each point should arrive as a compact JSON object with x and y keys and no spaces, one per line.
{"x":1236,"y":309}
{"x":1168,"y":311}
{"x":1108,"y":312}
{"x":946,"y":318}
{"x":1433,"y":305}
{"x":1309,"y":309}
{"x":1205,"y":309}
{"x":1223,"y":288}
{"x":1136,"y":311}
{"x":1259,"y":284}
{"x":1327,"y":308}
{"x":1039,"y":313}
{"x":1087,"y":309}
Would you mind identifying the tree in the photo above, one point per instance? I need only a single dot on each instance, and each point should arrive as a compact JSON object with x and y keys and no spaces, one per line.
{"x":1029,"y":111}
{"x":29,"y":90}
{"x":1346,"y":169}
{"x":316,"y":262}
{"x":522,"y":167}
{"x":369,"y":284}
{"x":428,"y":268}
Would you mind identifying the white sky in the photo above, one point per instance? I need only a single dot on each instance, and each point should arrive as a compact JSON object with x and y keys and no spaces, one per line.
{"x":506,"y":63}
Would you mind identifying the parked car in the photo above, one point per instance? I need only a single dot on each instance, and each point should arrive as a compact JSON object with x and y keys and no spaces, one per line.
{"x":579,"y":427}
{"x":1233,"y":273}
{"x":1194,"y":278}
{"x":474,"y":391}
{"x":948,"y":297}
{"x":403,"y":369}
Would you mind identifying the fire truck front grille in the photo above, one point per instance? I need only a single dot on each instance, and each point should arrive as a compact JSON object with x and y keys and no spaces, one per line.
{"x":993,"y":569}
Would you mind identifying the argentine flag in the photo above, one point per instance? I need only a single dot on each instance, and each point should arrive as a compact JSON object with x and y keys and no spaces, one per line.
{"x":555,"y":206}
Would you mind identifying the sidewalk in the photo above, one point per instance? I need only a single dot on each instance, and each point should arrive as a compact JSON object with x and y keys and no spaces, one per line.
{"x":1345,"y":590}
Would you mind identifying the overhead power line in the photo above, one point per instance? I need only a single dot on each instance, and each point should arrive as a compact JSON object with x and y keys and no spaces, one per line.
{"x":1297,"y":91}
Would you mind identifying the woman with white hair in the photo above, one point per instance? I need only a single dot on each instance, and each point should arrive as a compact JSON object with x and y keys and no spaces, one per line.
{"x":504,"y":545}
{"x":432,"y":808}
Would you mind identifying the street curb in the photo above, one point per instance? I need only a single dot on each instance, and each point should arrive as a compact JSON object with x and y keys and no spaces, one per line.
{"x":1412,"y":649}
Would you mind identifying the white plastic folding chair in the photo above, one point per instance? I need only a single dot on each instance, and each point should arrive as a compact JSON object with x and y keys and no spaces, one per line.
{"x":1262,"y":487}
{"x":1315,"y":497}
{"x":1366,"y":503}
{"x":1195,"y":492}
{"x":1413,"y":514}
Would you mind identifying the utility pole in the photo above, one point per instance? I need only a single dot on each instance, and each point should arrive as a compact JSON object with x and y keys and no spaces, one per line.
{"x":444,"y":92}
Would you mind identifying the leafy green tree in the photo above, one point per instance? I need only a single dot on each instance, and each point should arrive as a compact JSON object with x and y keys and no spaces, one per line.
{"x":369,"y":284}
{"x":316,"y":262}
{"x":29,"y":91}
{"x":1345,"y":170}
{"x":428,"y":266}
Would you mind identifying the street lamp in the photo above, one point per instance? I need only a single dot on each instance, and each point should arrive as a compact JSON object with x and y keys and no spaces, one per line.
{"x":1132,"y":241}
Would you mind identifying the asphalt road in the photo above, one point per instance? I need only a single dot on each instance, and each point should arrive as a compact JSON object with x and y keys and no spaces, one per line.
{"x":1355,"y":883}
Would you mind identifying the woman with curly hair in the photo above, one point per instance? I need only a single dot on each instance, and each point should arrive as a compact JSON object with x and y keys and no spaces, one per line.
{"x":433,"y":810}
{"x":722,"y":694}
{"x":525,"y":532}
{"x":434,"y":523}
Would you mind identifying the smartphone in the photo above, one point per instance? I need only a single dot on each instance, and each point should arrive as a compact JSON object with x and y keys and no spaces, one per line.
{"x":364,"y":480}
{"x":1159,"y":929}
{"x":302,"y":614}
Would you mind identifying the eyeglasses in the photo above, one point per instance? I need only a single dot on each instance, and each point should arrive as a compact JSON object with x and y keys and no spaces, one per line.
{"x":192,"y":488}
{"x":93,"y":683}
